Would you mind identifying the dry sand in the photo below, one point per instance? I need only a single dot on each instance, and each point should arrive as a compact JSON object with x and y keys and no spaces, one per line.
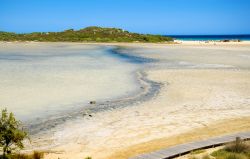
{"x":190,"y":99}
{"x":205,"y":92}
{"x":207,"y":97}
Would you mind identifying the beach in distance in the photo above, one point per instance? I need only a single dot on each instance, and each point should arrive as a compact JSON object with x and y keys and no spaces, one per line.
{"x":119,"y":100}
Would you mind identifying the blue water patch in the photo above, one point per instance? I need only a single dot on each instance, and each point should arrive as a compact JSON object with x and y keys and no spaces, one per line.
{"x":116,"y":52}
{"x":242,"y":37}
{"x":14,"y":57}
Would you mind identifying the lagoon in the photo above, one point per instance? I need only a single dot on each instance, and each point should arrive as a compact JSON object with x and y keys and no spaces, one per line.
{"x":40,"y":79}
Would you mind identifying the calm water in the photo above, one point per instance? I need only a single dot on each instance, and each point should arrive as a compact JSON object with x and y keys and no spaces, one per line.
{"x":210,"y":37}
{"x":42,"y":79}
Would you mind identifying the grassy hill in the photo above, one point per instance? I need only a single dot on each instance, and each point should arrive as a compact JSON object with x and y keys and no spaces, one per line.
{"x":89,"y":34}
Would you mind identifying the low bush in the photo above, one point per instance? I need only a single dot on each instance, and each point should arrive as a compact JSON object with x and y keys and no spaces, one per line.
{"x":238,"y":148}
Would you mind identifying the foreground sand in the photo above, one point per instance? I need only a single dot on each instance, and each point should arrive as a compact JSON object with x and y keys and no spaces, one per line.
{"x":205,"y":92}
{"x":190,"y":99}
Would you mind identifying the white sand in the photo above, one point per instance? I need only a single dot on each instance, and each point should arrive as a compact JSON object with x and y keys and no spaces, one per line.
{"x":193,"y":96}
{"x":190,"y":99}
{"x":202,"y":84}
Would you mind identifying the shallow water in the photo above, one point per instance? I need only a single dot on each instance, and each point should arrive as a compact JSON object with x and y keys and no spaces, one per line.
{"x":37,"y":80}
{"x":181,"y":56}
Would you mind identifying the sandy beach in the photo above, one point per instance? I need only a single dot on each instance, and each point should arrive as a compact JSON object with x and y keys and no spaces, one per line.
{"x":182,"y":106}
{"x":127,"y":79}
{"x":204,"y":91}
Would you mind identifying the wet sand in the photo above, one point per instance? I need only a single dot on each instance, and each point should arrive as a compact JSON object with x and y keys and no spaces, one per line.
{"x":39,"y":80}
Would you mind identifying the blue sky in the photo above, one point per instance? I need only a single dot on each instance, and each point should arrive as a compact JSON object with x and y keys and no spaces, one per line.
{"x":169,"y":17}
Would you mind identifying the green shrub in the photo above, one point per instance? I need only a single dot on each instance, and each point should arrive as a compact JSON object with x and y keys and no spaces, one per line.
{"x":11,"y":133}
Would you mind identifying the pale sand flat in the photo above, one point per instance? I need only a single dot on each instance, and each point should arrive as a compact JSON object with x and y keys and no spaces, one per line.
{"x":194,"y":103}
{"x":190,"y":99}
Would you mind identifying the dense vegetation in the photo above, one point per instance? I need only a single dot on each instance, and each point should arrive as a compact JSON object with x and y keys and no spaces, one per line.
{"x":89,"y":34}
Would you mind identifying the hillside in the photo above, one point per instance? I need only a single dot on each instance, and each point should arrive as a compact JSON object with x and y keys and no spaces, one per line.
{"x":89,"y":34}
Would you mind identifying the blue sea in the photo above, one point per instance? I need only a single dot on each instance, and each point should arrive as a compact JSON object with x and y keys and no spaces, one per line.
{"x":242,"y":37}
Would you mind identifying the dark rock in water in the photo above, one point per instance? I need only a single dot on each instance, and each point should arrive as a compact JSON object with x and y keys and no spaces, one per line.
{"x":233,"y":40}
{"x":92,"y":102}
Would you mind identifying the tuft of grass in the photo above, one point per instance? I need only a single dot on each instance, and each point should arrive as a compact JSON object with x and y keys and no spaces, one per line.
{"x":224,"y":154}
{"x":38,"y":155}
{"x":34,"y":155}
{"x":206,"y":156}
{"x":220,"y":154}
{"x":192,"y":157}
{"x":238,"y":148}
{"x":195,"y":152}
{"x":236,"y":156}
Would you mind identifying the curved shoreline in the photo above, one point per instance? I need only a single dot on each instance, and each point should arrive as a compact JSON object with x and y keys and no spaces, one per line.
{"x":147,"y":90}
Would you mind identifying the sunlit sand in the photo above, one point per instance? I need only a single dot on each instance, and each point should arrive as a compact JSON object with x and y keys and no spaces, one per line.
{"x":201,"y":88}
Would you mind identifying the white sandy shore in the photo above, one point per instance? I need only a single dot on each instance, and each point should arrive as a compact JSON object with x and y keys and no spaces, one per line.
{"x":191,"y":98}
{"x":202,"y":85}
{"x":211,"y":42}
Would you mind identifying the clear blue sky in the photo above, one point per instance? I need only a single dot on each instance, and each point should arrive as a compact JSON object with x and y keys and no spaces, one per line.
{"x":144,"y":16}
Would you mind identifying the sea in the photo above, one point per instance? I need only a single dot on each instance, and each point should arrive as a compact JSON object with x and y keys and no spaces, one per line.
{"x":241,"y":37}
